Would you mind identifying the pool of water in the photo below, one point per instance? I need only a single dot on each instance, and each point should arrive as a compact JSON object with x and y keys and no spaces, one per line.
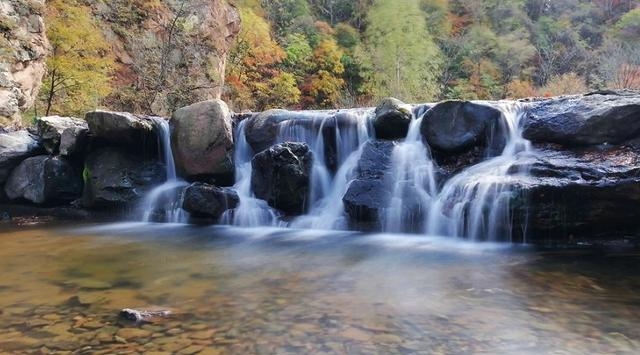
{"x":273,"y":291}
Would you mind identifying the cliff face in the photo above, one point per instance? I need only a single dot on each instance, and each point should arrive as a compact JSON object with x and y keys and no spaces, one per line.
{"x":169,"y":53}
{"x":23,"y":48}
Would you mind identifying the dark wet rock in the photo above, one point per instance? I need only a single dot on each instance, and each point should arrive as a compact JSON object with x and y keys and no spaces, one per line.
{"x":603,"y":117}
{"x":115,"y":178}
{"x":51,"y":128}
{"x":74,"y":141}
{"x":202,"y":140}
{"x":203,"y":200}
{"x":44,"y":180}
{"x":456,"y":126}
{"x":261,"y":130}
{"x":281,"y":176}
{"x":368,"y":193}
{"x":586,"y":194}
{"x":136,"y":315}
{"x":122,"y":129}
{"x":392,"y":119}
{"x":14,"y":148}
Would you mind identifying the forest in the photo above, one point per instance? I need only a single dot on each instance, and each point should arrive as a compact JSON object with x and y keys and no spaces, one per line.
{"x":313,"y":54}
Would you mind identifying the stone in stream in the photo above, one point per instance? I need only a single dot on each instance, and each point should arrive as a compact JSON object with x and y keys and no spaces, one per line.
{"x":14,"y":148}
{"x":368,"y":193}
{"x":123,"y":129}
{"x":262,"y":129}
{"x":392,"y":119}
{"x":204,"y":200}
{"x":114,"y":177}
{"x":44,"y":180}
{"x":202,"y":141}
{"x":610,"y":117}
{"x":455,"y":126}
{"x":52,"y":128}
{"x":281,"y":176}
{"x":136,"y":315}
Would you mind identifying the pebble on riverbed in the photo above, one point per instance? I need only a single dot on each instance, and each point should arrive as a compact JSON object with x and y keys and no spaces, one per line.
{"x":142,"y":315}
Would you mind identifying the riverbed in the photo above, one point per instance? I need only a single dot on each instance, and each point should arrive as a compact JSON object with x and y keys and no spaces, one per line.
{"x":286,"y":291}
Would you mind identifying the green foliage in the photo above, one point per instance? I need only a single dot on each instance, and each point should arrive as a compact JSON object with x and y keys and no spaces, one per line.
{"x":79,"y":67}
{"x":405,"y":59}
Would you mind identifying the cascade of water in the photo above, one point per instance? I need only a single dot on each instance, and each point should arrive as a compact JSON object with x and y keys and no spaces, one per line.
{"x":251,"y":212}
{"x":412,"y":183}
{"x":166,"y":198}
{"x":476,"y":202}
{"x":327,"y":210}
{"x":350,"y":128}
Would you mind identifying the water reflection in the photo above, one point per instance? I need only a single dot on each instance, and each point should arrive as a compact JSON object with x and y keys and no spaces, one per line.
{"x":271,"y":291}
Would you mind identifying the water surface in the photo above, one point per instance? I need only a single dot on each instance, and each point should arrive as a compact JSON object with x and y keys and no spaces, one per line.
{"x":274,"y":291}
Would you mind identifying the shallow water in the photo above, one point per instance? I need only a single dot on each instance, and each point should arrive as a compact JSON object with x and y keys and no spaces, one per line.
{"x":273,"y":291}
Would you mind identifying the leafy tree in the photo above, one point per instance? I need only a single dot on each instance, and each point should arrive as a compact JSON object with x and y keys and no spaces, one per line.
{"x":405,"y":60}
{"x":79,"y":67}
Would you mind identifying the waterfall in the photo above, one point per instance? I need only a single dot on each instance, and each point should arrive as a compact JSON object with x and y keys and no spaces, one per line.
{"x":164,"y":202}
{"x":475,"y":203}
{"x":251,"y":212}
{"x":347,"y":131}
{"x":412,"y":183}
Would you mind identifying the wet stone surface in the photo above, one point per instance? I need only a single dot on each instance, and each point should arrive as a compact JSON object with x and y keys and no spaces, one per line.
{"x":229,"y":294}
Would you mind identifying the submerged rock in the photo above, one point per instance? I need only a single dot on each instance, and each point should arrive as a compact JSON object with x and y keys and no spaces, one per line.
{"x":202,"y":141}
{"x":592,"y":119}
{"x":456,"y":126}
{"x":14,"y":148}
{"x":281,"y":176}
{"x":115,"y":178}
{"x":51,"y":129}
{"x":44,"y":180}
{"x":368,"y":193}
{"x":203,"y":200}
{"x":136,"y":315}
{"x":392,"y":119}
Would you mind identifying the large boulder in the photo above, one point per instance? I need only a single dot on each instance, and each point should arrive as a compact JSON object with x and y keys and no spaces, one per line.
{"x":392,"y":119}
{"x":457,"y":126}
{"x":569,"y":196}
{"x":115,"y":178}
{"x":44,"y":180}
{"x":14,"y":148}
{"x":261,"y":130}
{"x":74,"y":141}
{"x":203,"y":200}
{"x":281,"y":176}
{"x":592,"y":119}
{"x":121,"y":129}
{"x":202,"y":140}
{"x":368,"y":193}
{"x":51,"y":128}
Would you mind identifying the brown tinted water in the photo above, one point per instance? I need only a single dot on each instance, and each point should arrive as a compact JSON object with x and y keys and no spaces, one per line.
{"x":268,"y":291}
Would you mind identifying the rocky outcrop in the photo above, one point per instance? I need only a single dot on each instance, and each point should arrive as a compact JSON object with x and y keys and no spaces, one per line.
{"x":368,"y":193}
{"x":203,"y":200}
{"x":23,"y":48}
{"x":120,"y":128}
{"x":51,"y":129}
{"x":74,"y":141}
{"x":281,"y":176}
{"x":457,"y":126}
{"x":44,"y":180}
{"x":14,"y":148}
{"x":113,"y":177}
{"x":598,"y":118}
{"x":202,"y":141}
{"x":392,"y":119}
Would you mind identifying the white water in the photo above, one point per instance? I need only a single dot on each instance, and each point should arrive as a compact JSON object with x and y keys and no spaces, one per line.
{"x":326,"y":190}
{"x":165,"y":200}
{"x":475,"y":203}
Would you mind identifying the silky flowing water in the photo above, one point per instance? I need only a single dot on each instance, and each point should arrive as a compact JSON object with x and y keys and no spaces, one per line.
{"x":288,"y":291}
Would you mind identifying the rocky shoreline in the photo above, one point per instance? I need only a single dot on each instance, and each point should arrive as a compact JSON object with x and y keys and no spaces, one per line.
{"x":582,"y":184}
